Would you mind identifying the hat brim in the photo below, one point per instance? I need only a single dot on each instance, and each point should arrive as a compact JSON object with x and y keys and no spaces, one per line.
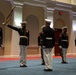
{"x":48,"y":20}
{"x":24,"y":22}
{"x":64,"y":27}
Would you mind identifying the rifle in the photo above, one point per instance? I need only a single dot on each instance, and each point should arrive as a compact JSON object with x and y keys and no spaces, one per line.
{"x":7,"y":19}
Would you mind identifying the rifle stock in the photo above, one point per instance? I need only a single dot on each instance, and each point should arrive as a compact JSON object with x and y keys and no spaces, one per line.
{"x":8,"y":16}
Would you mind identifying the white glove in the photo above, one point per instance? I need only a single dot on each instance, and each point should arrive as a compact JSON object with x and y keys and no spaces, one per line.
{"x":43,"y":46}
{"x":60,"y":47}
{"x":39,"y":46}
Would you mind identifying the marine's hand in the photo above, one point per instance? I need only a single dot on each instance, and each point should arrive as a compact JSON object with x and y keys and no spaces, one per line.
{"x":60,"y":47}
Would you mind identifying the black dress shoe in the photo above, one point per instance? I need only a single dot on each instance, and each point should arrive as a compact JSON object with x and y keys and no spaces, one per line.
{"x":64,"y":62}
{"x":23,"y":66}
{"x":48,"y":70}
{"x":42,"y":63}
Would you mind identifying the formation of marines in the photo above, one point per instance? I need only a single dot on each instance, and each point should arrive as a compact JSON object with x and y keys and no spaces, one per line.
{"x":46,"y":41}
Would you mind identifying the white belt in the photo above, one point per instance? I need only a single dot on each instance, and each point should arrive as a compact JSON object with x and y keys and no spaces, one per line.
{"x":64,"y":40}
{"x":48,"y":38}
{"x":23,"y":36}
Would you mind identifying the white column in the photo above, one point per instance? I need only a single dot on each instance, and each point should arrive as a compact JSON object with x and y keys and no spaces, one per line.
{"x":15,"y":36}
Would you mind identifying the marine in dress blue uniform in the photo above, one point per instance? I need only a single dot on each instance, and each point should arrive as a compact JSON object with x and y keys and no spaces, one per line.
{"x":40,"y":43}
{"x":23,"y":42}
{"x":63,"y":44}
{"x":49,"y":41}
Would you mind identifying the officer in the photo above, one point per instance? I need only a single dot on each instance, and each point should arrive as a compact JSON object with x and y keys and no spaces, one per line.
{"x":63,"y":44}
{"x":1,"y":37}
{"x":49,"y":41}
{"x":23,"y":43}
{"x":40,"y":43}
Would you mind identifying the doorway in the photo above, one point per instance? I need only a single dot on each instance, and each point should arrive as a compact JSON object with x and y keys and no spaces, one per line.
{"x":57,"y":51}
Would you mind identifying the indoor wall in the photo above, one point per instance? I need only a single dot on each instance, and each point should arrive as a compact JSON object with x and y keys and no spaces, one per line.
{"x":5,"y":8}
{"x":34,"y":15}
{"x":15,"y":49}
{"x":65,"y":19}
{"x":35,"y":19}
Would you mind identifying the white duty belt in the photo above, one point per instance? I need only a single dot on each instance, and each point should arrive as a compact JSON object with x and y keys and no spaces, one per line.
{"x":23,"y":36}
{"x":48,"y":38}
{"x":64,"y":40}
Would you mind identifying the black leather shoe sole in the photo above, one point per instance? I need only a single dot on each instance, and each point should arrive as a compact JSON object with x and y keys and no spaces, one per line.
{"x":64,"y":63}
{"x":48,"y":70}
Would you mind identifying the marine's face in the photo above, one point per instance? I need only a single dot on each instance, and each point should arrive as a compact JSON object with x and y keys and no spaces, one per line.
{"x":23,"y":25}
{"x":47,"y":23}
{"x":65,"y":30}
